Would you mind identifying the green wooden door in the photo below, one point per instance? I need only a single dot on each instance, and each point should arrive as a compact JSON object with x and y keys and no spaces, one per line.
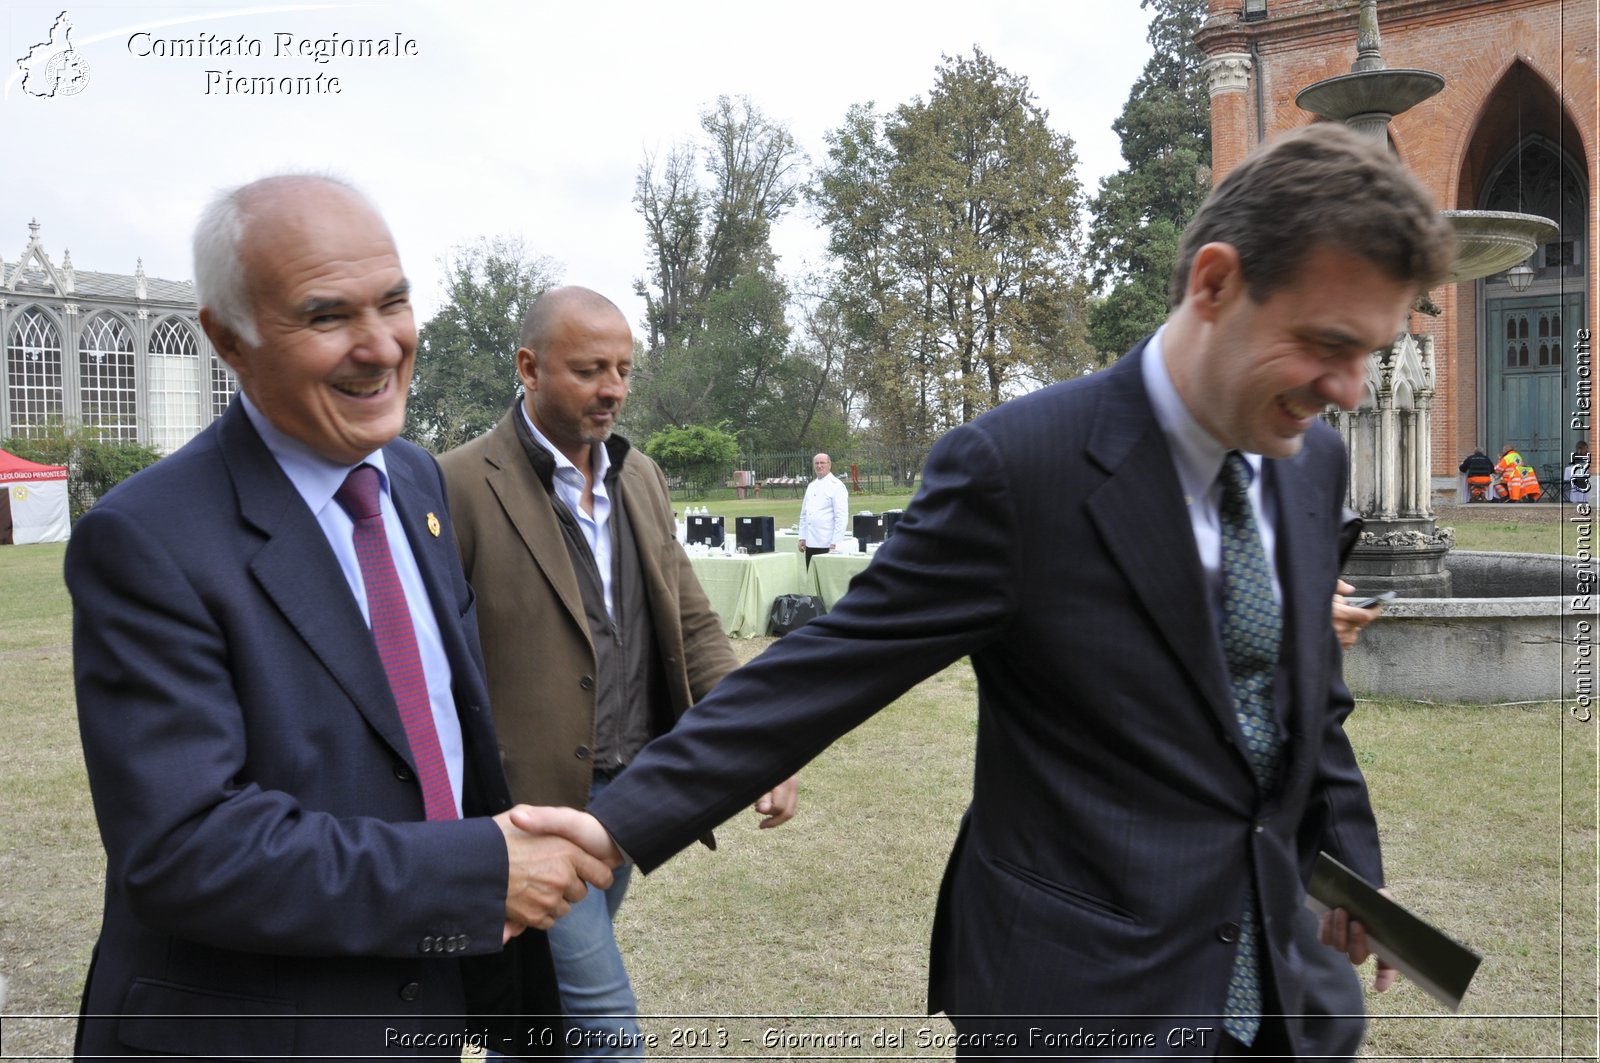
{"x":1528,"y":359}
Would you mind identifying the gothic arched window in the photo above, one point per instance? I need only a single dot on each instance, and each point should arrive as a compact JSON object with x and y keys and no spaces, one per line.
{"x":33,"y":372}
{"x":105,"y":378}
{"x":174,"y":402}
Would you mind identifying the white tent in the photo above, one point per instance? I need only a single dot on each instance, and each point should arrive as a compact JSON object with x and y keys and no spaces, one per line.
{"x":33,"y":508}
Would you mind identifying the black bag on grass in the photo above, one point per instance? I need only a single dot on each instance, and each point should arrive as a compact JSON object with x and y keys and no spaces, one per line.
{"x":789,"y":611}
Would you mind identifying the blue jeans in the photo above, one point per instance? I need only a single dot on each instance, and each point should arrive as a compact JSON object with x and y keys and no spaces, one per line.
{"x":596,"y":996}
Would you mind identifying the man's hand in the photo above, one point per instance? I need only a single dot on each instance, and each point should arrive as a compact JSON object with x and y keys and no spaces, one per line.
{"x":778,"y":804}
{"x":801,"y":546}
{"x":1347,"y":619}
{"x":1346,"y":935}
{"x":546,"y":874}
{"x":579,"y":828}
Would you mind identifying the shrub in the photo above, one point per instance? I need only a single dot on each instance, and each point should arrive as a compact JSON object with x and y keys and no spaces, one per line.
{"x":94,"y":463}
{"x":701,"y":455}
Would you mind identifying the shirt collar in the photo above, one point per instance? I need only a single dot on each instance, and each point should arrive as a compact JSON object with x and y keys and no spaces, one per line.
{"x":315,"y":477}
{"x":565,"y":469}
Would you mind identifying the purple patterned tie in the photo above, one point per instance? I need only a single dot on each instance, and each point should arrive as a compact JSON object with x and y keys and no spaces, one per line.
{"x":396,"y":638}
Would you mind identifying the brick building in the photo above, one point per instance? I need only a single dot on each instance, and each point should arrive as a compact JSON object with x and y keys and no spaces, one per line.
{"x":121,"y":353}
{"x":1513,"y":130}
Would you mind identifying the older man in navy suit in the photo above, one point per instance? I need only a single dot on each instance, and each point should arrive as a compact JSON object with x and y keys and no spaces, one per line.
{"x":281,"y":695}
{"x":1139,"y":564}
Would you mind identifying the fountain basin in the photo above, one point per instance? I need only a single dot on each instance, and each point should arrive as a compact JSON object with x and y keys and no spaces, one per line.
{"x":1488,"y":241}
{"x":1374,"y":92}
{"x":1510,"y":633}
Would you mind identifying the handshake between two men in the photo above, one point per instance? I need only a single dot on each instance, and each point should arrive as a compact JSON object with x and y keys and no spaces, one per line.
{"x":555,"y":854}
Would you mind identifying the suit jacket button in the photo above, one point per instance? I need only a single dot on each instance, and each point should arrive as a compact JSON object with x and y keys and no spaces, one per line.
{"x":1228,"y":932}
{"x":582,"y":752}
{"x":410,"y":991}
{"x":586,"y":682}
{"x":463,"y":940}
{"x":425,"y":945}
{"x":402,"y":771}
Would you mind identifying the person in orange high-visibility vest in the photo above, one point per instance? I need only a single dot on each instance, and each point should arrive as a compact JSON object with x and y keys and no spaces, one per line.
{"x":1479,"y":473}
{"x":1531,"y":491}
{"x":1505,"y":488}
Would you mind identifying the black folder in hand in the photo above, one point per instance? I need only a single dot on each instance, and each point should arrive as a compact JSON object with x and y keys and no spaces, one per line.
{"x":1438,"y":964}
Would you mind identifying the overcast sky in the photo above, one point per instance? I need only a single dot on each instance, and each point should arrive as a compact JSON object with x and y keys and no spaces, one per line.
{"x":522,"y":119}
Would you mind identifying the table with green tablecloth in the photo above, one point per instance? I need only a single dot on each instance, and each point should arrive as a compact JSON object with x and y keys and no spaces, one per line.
{"x":830,"y":575}
{"x":741,"y":587}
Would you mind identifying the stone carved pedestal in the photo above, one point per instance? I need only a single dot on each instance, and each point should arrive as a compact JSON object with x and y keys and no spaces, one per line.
{"x":1389,"y":441}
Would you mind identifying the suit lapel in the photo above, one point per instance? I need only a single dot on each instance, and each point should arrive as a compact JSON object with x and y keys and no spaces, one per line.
{"x":298,"y":572}
{"x":528,"y":506}
{"x":432,"y":550}
{"x":1140,"y":513}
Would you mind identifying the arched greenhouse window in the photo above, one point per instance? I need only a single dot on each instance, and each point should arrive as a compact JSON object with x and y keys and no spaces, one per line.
{"x":33,"y":372}
{"x":174,"y":402}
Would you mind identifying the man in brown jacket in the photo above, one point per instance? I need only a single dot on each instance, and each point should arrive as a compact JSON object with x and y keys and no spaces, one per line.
{"x":596,"y":633}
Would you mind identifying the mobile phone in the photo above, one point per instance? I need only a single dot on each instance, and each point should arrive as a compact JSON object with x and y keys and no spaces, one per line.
{"x":1369,"y":601}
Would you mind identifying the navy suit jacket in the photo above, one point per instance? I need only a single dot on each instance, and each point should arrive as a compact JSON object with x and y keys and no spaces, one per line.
{"x":267,"y":853}
{"x":1115,"y":823}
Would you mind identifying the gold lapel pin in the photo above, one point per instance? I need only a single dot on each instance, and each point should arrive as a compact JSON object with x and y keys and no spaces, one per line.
{"x":433,"y":525}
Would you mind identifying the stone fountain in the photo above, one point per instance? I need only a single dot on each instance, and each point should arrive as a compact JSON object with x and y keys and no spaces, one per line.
{"x":1389,"y":437}
{"x":1475,"y":634}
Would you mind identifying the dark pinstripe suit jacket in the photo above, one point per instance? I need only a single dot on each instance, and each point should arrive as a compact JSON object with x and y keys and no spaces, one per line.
{"x":1115,"y":823}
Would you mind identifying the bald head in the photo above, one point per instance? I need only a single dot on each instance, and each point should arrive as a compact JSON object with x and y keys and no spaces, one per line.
{"x":557,"y":306}
{"x":821,"y":464}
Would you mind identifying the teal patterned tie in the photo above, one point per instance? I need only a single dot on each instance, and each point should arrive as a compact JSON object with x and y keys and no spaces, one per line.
{"x":1251,"y":629}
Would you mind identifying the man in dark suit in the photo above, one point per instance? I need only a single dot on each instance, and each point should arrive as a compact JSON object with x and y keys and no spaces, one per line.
{"x":567,"y":537}
{"x":281,"y":695}
{"x":1139,"y":564}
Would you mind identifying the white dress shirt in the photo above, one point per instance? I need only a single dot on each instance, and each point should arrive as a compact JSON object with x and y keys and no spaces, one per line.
{"x":568,"y":482}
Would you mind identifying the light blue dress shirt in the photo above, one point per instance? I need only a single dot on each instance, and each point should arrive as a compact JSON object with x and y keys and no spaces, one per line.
{"x":317,"y":480}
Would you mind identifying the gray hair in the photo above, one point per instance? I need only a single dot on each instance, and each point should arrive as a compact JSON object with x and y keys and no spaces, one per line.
{"x":220,"y":280}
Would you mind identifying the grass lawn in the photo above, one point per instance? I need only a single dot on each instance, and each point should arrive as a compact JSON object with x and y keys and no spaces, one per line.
{"x":1488,"y":816}
{"x":1517,"y":537}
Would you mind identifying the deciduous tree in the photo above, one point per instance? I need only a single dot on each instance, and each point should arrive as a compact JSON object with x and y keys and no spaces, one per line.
{"x":716,"y":344}
{"x":466,"y":374}
{"x":953,"y":221}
